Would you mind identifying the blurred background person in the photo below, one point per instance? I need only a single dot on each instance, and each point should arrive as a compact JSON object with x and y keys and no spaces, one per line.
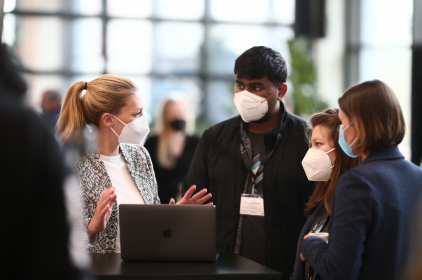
{"x":50,"y":106}
{"x":173,"y":147}
{"x":325,"y":162}
{"x":35,"y":231}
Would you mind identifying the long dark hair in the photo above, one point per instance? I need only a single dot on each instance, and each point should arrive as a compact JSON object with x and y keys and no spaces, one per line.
{"x":324,"y":191}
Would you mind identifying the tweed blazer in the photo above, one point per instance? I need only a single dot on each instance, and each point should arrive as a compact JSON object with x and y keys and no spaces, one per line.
{"x":94,"y":180}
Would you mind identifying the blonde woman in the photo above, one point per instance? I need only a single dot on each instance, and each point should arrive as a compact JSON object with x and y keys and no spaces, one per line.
{"x":117,"y":170}
{"x":172,"y":149}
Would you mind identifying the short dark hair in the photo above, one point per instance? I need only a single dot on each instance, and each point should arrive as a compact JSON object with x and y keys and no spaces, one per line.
{"x":258,"y":62}
{"x":375,"y":111}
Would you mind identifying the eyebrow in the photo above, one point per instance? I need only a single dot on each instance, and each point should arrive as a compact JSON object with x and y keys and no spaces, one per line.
{"x":251,"y":84}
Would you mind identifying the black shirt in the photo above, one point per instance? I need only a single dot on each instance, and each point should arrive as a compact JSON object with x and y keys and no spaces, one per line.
{"x":218,"y":166}
{"x":168,"y":181}
{"x":253,"y":244}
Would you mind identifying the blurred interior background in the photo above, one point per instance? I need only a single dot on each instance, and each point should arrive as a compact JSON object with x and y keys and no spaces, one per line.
{"x":190,"y":46}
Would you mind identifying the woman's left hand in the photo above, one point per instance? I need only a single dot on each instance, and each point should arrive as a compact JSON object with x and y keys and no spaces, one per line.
{"x":200,"y":198}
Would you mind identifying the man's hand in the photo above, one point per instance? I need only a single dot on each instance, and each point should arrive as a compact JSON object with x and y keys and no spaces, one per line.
{"x":200,"y":198}
{"x":102,"y":212}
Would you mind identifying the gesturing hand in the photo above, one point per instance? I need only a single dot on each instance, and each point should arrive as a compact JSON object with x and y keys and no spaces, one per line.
{"x":200,"y":198}
{"x":102,"y":212}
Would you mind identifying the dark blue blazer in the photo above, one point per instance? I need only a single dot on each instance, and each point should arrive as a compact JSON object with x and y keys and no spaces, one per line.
{"x":371,"y":221}
{"x":299,"y":269}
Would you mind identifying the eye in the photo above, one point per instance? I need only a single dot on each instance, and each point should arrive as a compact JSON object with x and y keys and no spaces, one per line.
{"x":240,"y":86}
{"x":138,"y":114}
{"x":318,"y":144}
{"x":257,"y":88}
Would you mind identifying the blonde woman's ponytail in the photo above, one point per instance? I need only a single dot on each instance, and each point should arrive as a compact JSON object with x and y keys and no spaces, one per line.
{"x":72,"y":119}
{"x":106,"y":94}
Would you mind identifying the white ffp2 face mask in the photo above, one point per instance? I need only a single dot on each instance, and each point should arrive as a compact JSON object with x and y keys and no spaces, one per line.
{"x":251,"y":107}
{"x":133,"y":132}
{"x":317,"y":165}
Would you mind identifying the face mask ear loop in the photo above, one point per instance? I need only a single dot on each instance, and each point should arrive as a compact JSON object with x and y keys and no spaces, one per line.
{"x":113,"y":129}
{"x":269,"y":97}
{"x":330,"y":151}
{"x":354,"y":141}
{"x":118,"y":119}
{"x":114,"y":132}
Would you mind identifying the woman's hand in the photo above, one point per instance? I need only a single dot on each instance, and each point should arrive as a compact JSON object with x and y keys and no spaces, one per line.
{"x":200,"y":198}
{"x":102,"y":212}
{"x":309,"y":235}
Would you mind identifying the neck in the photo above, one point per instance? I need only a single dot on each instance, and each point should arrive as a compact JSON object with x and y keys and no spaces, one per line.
{"x":268,"y":124}
{"x":107,"y":142}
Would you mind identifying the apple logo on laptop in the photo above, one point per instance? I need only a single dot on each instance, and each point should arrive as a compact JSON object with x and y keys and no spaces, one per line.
{"x":167,"y":233}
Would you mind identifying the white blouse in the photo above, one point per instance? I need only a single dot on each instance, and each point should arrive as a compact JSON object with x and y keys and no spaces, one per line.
{"x":126,"y":190}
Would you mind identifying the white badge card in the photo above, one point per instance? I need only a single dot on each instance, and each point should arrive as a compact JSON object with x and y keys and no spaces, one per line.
{"x":252,"y":206}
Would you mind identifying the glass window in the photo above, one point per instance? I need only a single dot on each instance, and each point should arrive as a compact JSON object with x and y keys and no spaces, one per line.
{"x":9,"y":29}
{"x":387,"y":23}
{"x":86,"y":52}
{"x":129,"y":46}
{"x":162,"y":87}
{"x":228,"y":41}
{"x":176,"y":51}
{"x":385,"y":53}
{"x":180,"y":9}
{"x":85,"y":7}
{"x":284,"y":11}
{"x":254,"y":11}
{"x":38,"y":84}
{"x":164,"y":46}
{"x":129,"y":8}
{"x":41,"y":43}
{"x":219,"y":102}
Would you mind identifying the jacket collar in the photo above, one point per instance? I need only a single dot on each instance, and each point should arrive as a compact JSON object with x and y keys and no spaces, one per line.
{"x":271,"y":138}
{"x":385,"y":153}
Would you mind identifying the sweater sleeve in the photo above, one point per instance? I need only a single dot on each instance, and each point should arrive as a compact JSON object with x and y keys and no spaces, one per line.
{"x":198,"y":171}
{"x":351,"y":218}
{"x":87,"y":207}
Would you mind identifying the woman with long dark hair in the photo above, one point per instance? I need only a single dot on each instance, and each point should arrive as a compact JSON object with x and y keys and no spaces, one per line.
{"x":325,"y":162}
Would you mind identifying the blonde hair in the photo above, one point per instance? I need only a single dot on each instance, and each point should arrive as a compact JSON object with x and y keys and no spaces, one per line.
{"x":165,"y":155}
{"x":106,"y":94}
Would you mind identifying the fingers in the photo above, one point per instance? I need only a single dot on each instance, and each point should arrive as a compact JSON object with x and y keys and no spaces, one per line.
{"x":172,"y":201}
{"x":306,"y":236}
{"x":190,"y":192}
{"x":210,"y":203}
{"x":302,"y":257}
{"x":105,"y":197}
{"x":112,"y":200}
{"x":204,"y":199}
{"x":198,"y":195}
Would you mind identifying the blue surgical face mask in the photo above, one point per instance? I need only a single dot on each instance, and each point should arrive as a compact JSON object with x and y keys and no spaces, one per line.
{"x":346,"y":147}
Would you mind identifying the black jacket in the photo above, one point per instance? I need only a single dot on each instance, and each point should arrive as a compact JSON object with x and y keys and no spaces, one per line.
{"x":218,"y":166}
{"x":34,"y":229}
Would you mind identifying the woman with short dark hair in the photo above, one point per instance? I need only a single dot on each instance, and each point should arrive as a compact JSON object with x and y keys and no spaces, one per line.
{"x":373,"y":203}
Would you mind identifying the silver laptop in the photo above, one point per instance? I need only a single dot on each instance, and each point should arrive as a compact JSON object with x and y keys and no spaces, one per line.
{"x":185,"y":233}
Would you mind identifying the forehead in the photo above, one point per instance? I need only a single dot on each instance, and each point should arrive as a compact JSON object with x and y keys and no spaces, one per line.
{"x":246,"y":81}
{"x":135,"y":100}
{"x":320,"y":132}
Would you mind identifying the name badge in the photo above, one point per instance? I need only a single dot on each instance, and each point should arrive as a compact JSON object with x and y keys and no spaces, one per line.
{"x":250,"y":205}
